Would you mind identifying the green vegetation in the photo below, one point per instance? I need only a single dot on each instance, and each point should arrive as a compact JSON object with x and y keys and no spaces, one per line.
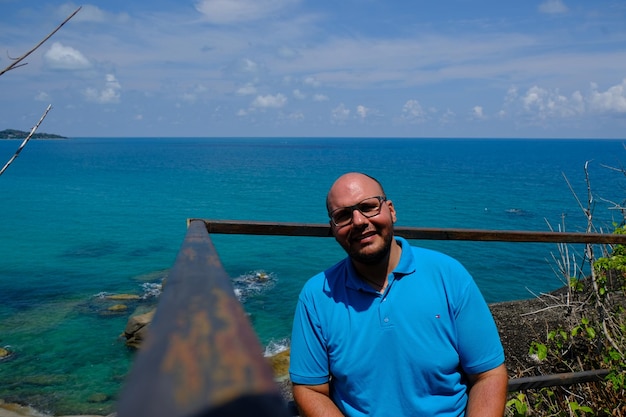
{"x":592,"y":336}
{"x":18,"y":134}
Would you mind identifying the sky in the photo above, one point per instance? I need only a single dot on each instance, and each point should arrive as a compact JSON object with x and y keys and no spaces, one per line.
{"x":317,"y":68}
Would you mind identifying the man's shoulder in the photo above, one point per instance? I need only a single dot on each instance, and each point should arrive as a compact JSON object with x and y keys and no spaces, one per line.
{"x":422,"y":253}
{"x":325,"y":279}
{"x":430,"y":261}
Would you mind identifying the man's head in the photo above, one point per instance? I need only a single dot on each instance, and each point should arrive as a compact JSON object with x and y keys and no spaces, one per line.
{"x":361,"y":217}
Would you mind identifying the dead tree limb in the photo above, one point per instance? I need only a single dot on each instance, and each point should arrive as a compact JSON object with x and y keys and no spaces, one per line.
{"x":32,"y":132}
{"x":16,"y":61}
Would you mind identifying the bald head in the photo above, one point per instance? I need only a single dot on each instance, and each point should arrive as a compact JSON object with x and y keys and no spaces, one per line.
{"x":351,"y":185}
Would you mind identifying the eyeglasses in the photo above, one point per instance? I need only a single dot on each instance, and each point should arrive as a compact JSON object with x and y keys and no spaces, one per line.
{"x":369,"y":207}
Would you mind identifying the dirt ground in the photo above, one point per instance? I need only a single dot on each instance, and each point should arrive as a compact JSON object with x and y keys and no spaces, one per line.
{"x":523,"y":321}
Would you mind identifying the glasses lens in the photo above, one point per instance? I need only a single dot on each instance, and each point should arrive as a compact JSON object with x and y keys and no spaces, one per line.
{"x":341,"y":217}
{"x":369,"y":207}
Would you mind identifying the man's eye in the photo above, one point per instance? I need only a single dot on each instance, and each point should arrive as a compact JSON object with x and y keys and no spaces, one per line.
{"x":368,"y":208}
{"x":341,"y":216}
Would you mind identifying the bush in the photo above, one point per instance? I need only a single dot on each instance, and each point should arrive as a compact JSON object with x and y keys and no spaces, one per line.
{"x":592,"y":336}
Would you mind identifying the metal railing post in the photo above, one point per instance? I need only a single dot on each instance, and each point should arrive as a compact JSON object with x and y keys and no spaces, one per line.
{"x":201,"y":356}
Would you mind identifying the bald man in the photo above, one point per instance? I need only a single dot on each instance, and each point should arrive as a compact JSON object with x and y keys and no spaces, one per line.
{"x":392,"y":329}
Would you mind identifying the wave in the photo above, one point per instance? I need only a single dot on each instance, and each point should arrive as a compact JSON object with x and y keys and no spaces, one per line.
{"x":252,"y":283}
{"x":274,"y":347}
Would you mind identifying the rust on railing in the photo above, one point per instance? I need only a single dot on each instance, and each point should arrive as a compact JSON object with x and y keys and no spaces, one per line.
{"x":202,"y":357}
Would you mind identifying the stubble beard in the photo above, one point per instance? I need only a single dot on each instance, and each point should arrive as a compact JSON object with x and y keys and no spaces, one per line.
{"x":372,"y":258}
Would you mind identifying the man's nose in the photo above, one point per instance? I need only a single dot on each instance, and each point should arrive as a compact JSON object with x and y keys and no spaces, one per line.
{"x":358,"y":217}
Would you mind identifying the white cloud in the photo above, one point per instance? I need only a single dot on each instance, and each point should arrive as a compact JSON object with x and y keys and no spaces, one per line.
{"x":612,"y":100}
{"x":235,"y":11}
{"x":477,"y":112}
{"x":549,"y":104}
{"x":109,"y":94}
{"x":299,"y":94}
{"x":297,"y":115}
{"x":286,"y":52}
{"x":448,"y":117}
{"x":413,"y":112}
{"x":247,"y":90}
{"x":270,"y":101}
{"x":189,"y":97}
{"x":42,"y":96}
{"x":320,"y":97}
{"x":195,"y":92}
{"x":340,"y":114}
{"x":65,"y":58}
{"x":362,"y":111}
{"x":312,"y":81}
{"x":553,"y":7}
{"x":91,"y":13}
{"x":249,"y":65}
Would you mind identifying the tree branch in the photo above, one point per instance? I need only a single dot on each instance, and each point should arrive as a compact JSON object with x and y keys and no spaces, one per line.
{"x":16,"y":62}
{"x":32,"y":132}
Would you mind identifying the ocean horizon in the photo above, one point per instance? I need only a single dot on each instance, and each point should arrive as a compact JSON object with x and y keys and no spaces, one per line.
{"x":86,"y":218}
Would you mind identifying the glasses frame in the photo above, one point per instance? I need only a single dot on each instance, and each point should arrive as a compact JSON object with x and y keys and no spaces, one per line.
{"x":381,"y":199}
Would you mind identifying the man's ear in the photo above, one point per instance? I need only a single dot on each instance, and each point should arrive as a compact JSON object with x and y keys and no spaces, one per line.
{"x":392,"y":210}
{"x":332,"y":228}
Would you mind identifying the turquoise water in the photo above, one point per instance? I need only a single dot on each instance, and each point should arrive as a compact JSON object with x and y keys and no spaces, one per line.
{"x":87,"y":217}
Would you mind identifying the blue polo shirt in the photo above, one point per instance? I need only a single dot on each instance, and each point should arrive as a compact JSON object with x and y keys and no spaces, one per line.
{"x":403,"y":352}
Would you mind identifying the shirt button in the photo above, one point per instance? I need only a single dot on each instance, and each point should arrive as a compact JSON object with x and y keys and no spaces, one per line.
{"x":386,"y":319}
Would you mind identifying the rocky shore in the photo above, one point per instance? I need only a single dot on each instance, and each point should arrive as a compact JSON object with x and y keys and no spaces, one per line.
{"x":519,"y":322}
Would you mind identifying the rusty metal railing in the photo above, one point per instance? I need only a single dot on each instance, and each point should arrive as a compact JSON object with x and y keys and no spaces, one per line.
{"x":421,"y":233}
{"x":202,"y":358}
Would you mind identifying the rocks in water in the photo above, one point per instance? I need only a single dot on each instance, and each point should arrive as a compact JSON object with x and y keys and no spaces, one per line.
{"x":280,"y":364}
{"x":123,"y":297}
{"x":4,"y":353}
{"x":137,"y":328}
{"x":18,"y":410}
{"x":113,"y":305}
{"x":98,"y":397}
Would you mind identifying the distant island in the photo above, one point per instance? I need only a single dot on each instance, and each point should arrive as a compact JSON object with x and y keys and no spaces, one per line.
{"x":18,"y":134}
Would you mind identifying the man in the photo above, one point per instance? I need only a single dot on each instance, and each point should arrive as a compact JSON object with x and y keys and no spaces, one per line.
{"x":392,"y":330}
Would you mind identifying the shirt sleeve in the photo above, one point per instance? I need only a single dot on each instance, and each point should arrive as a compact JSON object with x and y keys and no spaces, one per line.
{"x":479,"y":345}
{"x":308,"y":357}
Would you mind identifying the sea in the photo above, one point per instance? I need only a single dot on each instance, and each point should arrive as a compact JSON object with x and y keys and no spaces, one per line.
{"x":83,"y":219}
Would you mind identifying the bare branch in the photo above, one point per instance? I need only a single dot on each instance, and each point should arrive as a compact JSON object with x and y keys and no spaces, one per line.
{"x":574,"y":193}
{"x":16,"y":62}
{"x":32,"y":132}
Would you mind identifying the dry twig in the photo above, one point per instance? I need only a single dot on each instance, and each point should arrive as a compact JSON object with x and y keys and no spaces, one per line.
{"x":16,"y":61}
{"x":15,"y":64}
{"x":32,"y":132}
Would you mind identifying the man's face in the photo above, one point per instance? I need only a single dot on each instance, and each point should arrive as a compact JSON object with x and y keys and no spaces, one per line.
{"x":365,"y":240}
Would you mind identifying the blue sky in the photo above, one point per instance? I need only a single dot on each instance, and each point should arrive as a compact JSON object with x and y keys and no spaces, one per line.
{"x":375,"y":68}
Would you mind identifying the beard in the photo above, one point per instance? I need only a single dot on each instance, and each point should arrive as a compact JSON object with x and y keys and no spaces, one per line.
{"x":373,"y":256}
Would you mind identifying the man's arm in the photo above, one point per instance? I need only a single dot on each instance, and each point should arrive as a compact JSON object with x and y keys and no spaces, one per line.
{"x":487,"y":393}
{"x":314,"y":401}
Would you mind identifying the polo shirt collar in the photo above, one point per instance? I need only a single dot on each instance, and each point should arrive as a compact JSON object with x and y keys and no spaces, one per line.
{"x":404,"y":267}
